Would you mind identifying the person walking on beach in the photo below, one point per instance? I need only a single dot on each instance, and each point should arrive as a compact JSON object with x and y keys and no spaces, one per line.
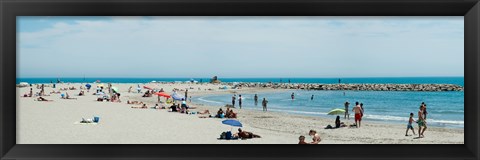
{"x":240,"y":101}
{"x":409,"y":125}
{"x":139,"y":89}
{"x":130,"y":89}
{"x":255,"y":98}
{"x":358,"y":114}
{"x":293,"y":96}
{"x":186,"y":94}
{"x":347,"y":115}
{"x":421,"y":122}
{"x":233,"y":100}
{"x":264,"y":104}
{"x":424,"y":110}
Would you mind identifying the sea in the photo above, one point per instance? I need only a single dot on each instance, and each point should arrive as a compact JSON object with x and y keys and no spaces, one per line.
{"x":445,"y":109}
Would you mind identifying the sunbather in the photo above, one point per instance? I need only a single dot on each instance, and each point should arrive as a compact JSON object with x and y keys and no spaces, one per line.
{"x":144,"y":106}
{"x":134,"y":102}
{"x":204,"y":112}
{"x":68,"y":96}
{"x":42,"y":99}
{"x":245,"y":135}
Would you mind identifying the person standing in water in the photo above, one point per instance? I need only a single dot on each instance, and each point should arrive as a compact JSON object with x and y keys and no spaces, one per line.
{"x":256,"y":99}
{"x":240,"y":101}
{"x":293,"y":96}
{"x":233,"y":100}
{"x":264,"y":104}
{"x":347,"y":115}
{"x":311,"y":98}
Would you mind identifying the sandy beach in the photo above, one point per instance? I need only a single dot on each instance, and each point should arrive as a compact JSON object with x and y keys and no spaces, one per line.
{"x":56,"y":122}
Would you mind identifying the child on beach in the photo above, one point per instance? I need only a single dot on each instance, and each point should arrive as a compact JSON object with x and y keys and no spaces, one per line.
{"x":409,"y":125}
{"x":301,"y":140}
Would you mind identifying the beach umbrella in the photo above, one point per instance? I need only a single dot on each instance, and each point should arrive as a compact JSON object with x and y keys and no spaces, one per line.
{"x":100,"y":85}
{"x":162,"y":94}
{"x":146,"y":87}
{"x":115,"y":89}
{"x":337,"y":111}
{"x":88,"y":85}
{"x":232,"y":122}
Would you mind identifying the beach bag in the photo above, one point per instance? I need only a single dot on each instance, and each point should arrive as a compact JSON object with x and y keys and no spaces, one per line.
{"x":223,"y":135}
{"x":228,"y":135}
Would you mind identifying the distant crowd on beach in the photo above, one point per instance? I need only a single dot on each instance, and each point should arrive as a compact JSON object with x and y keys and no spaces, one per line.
{"x":111,"y":94}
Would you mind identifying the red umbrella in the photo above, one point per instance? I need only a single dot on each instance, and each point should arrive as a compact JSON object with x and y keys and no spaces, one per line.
{"x":163,"y":94}
{"x":146,"y":87}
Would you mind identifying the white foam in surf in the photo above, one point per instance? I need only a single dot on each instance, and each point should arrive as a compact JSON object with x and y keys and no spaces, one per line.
{"x":396,"y":118}
{"x":300,"y":112}
{"x":209,"y":101}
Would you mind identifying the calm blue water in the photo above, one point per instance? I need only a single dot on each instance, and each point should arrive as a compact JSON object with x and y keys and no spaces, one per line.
{"x":446,"y":109}
{"x":397,"y":80}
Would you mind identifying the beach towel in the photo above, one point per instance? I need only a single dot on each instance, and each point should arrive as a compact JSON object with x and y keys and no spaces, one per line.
{"x":85,"y":123}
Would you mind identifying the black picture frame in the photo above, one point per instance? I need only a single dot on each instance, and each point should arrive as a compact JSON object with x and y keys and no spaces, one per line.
{"x":9,"y":9}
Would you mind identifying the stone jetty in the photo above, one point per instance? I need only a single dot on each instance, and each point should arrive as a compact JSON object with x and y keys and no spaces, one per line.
{"x":353,"y":87}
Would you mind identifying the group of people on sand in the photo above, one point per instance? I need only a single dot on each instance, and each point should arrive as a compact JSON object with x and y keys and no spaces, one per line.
{"x":241,"y":134}
{"x":148,"y":93}
{"x":422,"y":121}
{"x":315,"y":138}
{"x":227,"y":114}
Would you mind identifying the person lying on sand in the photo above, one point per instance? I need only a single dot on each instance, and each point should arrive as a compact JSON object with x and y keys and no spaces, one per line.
{"x":43,"y":99}
{"x":81,"y":93}
{"x":53,"y":92}
{"x":301,"y":140}
{"x":144,"y":106}
{"x":68,"y":96}
{"x":204,"y":112}
{"x":245,"y":135}
{"x":134,"y":102}
{"x":158,"y":107}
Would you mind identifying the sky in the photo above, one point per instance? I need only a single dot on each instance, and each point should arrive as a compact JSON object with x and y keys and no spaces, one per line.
{"x":239,"y":46}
